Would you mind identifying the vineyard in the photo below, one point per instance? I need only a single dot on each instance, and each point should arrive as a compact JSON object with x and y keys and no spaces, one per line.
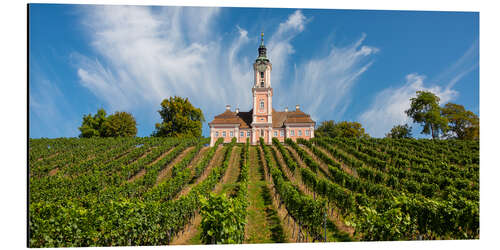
{"x":160,"y":191}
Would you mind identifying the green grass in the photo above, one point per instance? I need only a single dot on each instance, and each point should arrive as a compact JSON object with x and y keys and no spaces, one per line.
{"x":264,"y":225}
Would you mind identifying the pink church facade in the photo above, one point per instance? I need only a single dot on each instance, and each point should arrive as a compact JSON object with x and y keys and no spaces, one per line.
{"x":262,"y":120}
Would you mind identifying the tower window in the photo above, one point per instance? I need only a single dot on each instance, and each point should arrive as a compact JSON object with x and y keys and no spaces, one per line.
{"x":262,"y":75}
{"x":262,"y":84}
{"x":261,"y":104}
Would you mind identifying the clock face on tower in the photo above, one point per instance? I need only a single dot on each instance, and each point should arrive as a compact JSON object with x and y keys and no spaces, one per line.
{"x":261,"y":67}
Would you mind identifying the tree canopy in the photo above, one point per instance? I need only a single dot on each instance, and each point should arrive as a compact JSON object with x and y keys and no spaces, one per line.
{"x":120,"y":124}
{"x":180,"y":119}
{"x":424,"y":109}
{"x":463,"y":124}
{"x":341,"y":129}
{"x":92,"y":125}
{"x":400,"y":132}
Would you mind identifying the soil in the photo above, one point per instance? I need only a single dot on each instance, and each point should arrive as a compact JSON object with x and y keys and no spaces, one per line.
{"x":53,"y":171}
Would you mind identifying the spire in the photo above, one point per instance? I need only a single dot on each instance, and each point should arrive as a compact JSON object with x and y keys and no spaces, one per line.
{"x":262,"y":49}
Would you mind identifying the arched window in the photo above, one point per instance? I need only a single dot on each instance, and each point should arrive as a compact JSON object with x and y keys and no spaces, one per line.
{"x":261,"y":104}
{"x":262,"y":84}
{"x":262,"y":75}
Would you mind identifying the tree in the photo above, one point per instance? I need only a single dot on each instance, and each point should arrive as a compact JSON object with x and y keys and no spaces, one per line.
{"x":180,"y":119}
{"x":120,"y":124}
{"x":326,"y":129}
{"x":464,"y":124}
{"x":351,"y":129}
{"x":424,"y":109}
{"x":399,"y":132}
{"x":341,"y":129}
{"x":92,"y":125}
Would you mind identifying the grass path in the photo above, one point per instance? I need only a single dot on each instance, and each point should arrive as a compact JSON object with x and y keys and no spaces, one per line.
{"x":230,"y":178}
{"x":263,"y":224}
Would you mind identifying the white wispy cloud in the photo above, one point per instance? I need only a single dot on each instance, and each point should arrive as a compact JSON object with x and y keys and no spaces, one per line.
{"x":323,"y":85}
{"x":388,"y":106}
{"x":280,"y":45}
{"x":147,"y":54}
{"x":48,"y":106}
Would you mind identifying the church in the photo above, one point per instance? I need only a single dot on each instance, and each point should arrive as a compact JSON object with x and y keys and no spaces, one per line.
{"x":262,"y":120}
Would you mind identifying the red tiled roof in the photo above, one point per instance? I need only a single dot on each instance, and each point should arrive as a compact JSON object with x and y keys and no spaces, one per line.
{"x":228,"y":117}
{"x":298,"y":116}
{"x":245,"y":118}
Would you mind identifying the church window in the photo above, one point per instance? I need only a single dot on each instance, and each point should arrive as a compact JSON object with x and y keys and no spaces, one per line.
{"x":262,"y":84}
{"x":281,"y":133}
{"x":275,"y":133}
{"x":292,"y":132}
{"x":248,"y":133}
{"x":262,"y":75}
{"x":242,"y":134}
{"x":300,"y":132}
{"x":261,"y":104}
{"x":216,"y":134}
{"x":307,"y":132}
{"x":223,"y":133}
{"x":231,"y":134}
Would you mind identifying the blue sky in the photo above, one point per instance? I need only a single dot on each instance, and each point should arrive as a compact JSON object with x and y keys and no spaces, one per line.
{"x":337,"y":64}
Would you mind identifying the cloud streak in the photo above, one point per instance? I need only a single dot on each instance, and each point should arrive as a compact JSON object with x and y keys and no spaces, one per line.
{"x":324,"y":84}
{"x":388,"y":106}
{"x":146,"y":54}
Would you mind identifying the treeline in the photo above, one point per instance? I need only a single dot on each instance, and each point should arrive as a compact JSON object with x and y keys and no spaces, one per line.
{"x":451,"y":121}
{"x":179,"y":119}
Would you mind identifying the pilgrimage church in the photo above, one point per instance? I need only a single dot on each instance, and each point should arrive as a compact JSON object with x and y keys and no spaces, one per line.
{"x":262,"y":120}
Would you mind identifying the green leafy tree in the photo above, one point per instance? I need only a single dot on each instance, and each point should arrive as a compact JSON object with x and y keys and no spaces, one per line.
{"x":120,"y":124}
{"x":351,"y":129}
{"x":326,"y":129}
{"x":341,"y":129}
{"x":464,"y":124}
{"x":92,"y":125}
{"x":399,"y":132}
{"x":180,"y":119}
{"x":424,"y":109}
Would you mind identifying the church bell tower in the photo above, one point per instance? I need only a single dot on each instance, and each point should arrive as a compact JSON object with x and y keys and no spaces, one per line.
{"x":262,"y":95}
